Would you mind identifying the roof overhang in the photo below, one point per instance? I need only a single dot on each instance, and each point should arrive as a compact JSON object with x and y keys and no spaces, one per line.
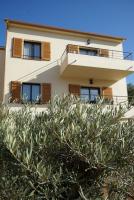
{"x":39,"y":27}
{"x":2,"y":48}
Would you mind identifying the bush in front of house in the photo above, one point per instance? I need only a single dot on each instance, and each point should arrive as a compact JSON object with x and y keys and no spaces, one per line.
{"x":71,"y":151}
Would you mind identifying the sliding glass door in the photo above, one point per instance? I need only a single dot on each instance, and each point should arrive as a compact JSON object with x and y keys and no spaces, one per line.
{"x":89,"y":94}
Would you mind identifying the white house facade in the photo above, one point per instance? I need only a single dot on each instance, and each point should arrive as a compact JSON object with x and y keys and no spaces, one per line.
{"x":40,"y":61}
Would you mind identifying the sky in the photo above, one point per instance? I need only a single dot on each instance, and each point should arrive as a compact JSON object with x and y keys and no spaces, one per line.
{"x":114,"y":17}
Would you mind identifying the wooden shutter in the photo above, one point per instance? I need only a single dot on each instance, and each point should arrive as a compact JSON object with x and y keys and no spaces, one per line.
{"x":107,"y":92}
{"x":74,"y":89}
{"x":46,"y":92}
{"x":104,"y":52}
{"x":72,"y":48}
{"x":45,"y":51}
{"x":17,"y":47}
{"x":15,"y":91}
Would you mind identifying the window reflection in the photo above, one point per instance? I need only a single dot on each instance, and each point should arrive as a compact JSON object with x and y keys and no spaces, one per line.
{"x":31,"y":92}
{"x":89,"y":94}
{"x":88,"y":52}
{"x":32,"y":50}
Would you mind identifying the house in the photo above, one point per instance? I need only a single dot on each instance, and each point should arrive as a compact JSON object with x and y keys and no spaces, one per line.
{"x":2,"y":72}
{"x":41,"y":61}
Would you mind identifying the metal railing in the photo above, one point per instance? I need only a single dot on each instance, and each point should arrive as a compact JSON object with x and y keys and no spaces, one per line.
{"x":123,"y":55}
{"x":29,"y":57}
{"x":120,"y":55}
{"x":107,"y":99}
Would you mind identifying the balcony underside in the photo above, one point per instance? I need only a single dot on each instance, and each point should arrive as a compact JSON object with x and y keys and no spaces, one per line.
{"x":101,"y":68}
{"x":94,"y":73}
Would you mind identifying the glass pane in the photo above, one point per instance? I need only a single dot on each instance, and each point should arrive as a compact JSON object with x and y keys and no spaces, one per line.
{"x":35,"y":93}
{"x":84,"y":94}
{"x":94,"y":93}
{"x":92,"y":52}
{"x":84,"y":51}
{"x":26,"y":92}
{"x":88,"y":52}
{"x":37,"y":50}
{"x":27,"y":50}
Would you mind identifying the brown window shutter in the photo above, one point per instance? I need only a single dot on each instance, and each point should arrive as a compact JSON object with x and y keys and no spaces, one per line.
{"x":46,"y":92}
{"x":17,"y":47}
{"x":74,"y":89}
{"x":15,"y":91}
{"x":107,"y":92}
{"x":72,"y":48}
{"x":104,"y":52}
{"x":45,"y":51}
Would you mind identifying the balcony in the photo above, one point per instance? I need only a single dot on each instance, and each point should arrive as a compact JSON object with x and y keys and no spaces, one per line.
{"x":99,"y":64}
{"x":127,"y":101}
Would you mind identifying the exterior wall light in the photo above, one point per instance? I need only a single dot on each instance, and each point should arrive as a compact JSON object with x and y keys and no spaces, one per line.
{"x":91,"y":81}
{"x":88,"y":41}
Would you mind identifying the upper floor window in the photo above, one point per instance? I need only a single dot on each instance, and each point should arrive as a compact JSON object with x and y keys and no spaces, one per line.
{"x":32,"y":50}
{"x":91,"y":52}
{"x":31,"y":92}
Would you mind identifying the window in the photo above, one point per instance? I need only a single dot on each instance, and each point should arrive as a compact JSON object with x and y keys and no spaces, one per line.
{"x":31,"y":92}
{"x":32,"y":50}
{"x":91,"y":52}
{"x":89,"y":94}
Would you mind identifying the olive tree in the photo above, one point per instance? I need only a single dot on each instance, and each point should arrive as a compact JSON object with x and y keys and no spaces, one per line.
{"x":71,"y":151}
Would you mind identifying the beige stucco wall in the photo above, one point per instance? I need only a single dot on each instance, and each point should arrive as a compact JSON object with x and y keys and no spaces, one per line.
{"x":2,"y":69}
{"x":92,"y":62}
{"x":49,"y":71}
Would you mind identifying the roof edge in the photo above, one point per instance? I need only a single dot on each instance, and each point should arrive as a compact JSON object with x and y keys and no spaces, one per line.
{"x":2,"y":47}
{"x":63,"y":30}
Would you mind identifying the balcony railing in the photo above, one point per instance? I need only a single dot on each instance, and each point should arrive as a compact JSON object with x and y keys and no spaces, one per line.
{"x":108,"y":100}
{"x":123,"y":55}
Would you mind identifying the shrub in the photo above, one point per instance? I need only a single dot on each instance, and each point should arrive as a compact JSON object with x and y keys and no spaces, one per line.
{"x":71,"y":151}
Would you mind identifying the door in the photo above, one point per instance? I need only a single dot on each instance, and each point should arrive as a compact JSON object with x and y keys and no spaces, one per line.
{"x":89,"y":94}
{"x":94,"y":93}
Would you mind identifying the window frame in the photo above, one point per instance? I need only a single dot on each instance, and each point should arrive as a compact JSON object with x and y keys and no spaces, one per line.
{"x":90,"y":49}
{"x":31,"y":84}
{"x":89,"y":96}
{"x":32,"y":43}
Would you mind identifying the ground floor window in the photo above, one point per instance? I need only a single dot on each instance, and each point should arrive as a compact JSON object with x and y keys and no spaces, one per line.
{"x":89,"y":94}
{"x":31,"y":92}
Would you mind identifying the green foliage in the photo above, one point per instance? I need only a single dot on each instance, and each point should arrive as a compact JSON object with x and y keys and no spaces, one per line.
{"x":130,"y":89}
{"x":68,"y":152}
{"x":131,"y":93}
